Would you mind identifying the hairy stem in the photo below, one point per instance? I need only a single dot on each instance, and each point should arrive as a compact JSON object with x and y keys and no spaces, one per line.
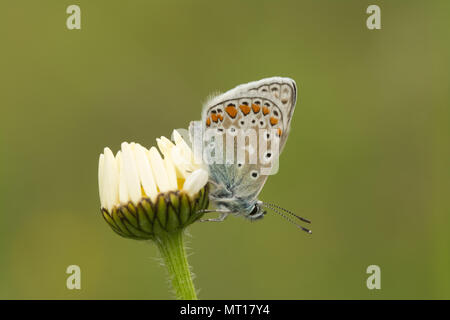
{"x":172,"y":249}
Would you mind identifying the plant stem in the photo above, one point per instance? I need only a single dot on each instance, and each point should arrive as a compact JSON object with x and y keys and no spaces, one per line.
{"x":172,"y":249}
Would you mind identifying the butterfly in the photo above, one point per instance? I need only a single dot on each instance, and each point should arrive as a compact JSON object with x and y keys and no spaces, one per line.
{"x":248,"y":127}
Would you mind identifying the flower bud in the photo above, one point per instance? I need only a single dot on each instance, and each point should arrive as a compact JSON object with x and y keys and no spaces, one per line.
{"x":143,"y":194}
{"x":171,"y":211}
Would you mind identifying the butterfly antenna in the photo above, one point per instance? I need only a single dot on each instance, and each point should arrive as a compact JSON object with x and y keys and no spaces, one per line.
{"x":287,"y":211}
{"x":289,"y":219}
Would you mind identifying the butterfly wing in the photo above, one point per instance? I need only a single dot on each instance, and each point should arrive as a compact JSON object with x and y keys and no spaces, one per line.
{"x":282,"y":90}
{"x":254,"y":119}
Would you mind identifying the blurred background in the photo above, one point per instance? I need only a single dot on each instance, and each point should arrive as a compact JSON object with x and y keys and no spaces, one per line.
{"x":367,"y":159}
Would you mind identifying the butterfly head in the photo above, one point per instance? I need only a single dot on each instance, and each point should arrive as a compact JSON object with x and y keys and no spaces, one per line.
{"x":250,"y":209}
{"x":257,"y":211}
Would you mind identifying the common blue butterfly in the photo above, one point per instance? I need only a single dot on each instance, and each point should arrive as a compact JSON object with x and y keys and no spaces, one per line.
{"x":263,"y":108}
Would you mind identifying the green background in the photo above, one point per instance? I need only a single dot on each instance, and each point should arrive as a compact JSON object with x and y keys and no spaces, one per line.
{"x":367,"y":158}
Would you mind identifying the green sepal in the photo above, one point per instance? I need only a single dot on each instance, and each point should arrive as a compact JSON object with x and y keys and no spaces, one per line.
{"x":111,"y":223}
{"x":129,"y":213}
{"x":174,"y":200}
{"x":205,"y":198}
{"x":158,"y":229}
{"x":144,"y":222}
{"x":146,"y":204}
{"x":116,"y":215}
{"x":109,"y":220}
{"x":201,"y":196}
{"x":139,"y":234}
{"x":195,"y":208}
{"x":185,"y":208}
{"x":171,"y":212}
{"x":161,"y":210}
{"x":172,"y":219}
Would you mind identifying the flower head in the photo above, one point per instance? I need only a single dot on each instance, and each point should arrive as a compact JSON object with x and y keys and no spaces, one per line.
{"x":143,"y":193}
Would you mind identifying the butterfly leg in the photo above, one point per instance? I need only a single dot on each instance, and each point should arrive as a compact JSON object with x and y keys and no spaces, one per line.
{"x":221,"y":218}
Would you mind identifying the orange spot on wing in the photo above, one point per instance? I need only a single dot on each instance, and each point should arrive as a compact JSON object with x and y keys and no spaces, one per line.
{"x":220,"y":117}
{"x":208,"y":122}
{"x":214,"y":117}
{"x":231,"y":110}
{"x":265,"y":110}
{"x":256,"y":108}
{"x":279,"y":132}
{"x":273,"y":121}
{"x":245,"y":109}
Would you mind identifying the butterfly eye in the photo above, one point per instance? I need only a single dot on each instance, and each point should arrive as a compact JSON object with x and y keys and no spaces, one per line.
{"x":254,"y":211}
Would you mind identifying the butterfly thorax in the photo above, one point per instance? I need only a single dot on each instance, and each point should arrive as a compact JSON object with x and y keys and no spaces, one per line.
{"x":224,"y":200}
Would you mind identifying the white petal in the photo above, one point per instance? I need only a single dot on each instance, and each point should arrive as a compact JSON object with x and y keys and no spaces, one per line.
{"x":186,"y":150}
{"x":145,"y":172}
{"x":165,"y":145}
{"x":159,"y":170}
{"x":171,"y":174}
{"x":195,"y":181}
{"x":110,"y":180}
{"x":177,"y":137}
{"x":124,"y":197}
{"x":101,"y":161}
{"x":180,"y":162}
{"x":131,"y":174}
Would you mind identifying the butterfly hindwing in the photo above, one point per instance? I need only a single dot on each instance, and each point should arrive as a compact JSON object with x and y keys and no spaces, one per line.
{"x":254,"y":119}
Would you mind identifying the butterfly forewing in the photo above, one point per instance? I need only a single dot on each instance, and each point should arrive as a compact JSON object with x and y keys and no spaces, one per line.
{"x":250,"y":124}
